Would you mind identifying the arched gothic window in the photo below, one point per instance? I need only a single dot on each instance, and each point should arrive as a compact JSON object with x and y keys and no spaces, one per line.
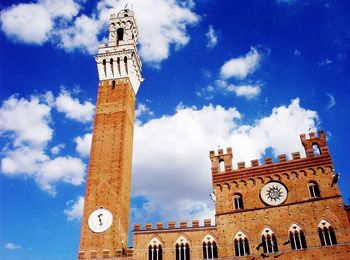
{"x":155,"y":251}
{"x":314,"y":189}
{"x":297,"y":237}
{"x":182,"y":249}
{"x":326,"y":233}
{"x":269,"y":241}
{"x":241,"y":244}
{"x":238,"y":201}
{"x":210,"y":250}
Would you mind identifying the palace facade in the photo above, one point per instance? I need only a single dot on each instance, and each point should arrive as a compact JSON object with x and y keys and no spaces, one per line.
{"x":284,"y":208}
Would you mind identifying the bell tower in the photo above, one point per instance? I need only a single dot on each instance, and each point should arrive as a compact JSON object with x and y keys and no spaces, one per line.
{"x":104,"y":231}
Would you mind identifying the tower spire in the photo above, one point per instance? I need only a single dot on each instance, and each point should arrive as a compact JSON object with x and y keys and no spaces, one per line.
{"x":104,"y":231}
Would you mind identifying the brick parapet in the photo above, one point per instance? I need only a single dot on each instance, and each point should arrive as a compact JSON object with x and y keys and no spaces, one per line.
{"x":119,"y":254}
{"x":272,"y":168}
{"x":270,"y":165}
{"x":172,"y":226}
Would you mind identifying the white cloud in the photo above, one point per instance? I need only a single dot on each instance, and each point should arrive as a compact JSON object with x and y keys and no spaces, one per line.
{"x":171,"y":166}
{"x":73,"y":109}
{"x":34,"y":22}
{"x":325,"y":62}
{"x":163,"y":22}
{"x":26,"y":124}
{"x":64,"y":169}
{"x":247,"y":91}
{"x":75,"y":209}
{"x":331,"y":102}
{"x":242,"y":66}
{"x":81,"y":35}
{"x":211,"y":37}
{"x":29,"y":23}
{"x":83,"y":144}
{"x":11,"y":246}
{"x":142,"y":109}
{"x":56,"y":149}
{"x":27,"y":120}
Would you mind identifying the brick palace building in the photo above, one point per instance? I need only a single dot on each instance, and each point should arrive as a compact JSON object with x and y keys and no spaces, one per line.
{"x":284,"y":209}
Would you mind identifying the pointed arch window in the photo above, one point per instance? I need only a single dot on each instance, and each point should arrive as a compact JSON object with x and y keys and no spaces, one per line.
{"x":182,"y":249}
{"x":241,"y":244}
{"x":210,"y":250}
{"x":314,"y":190}
{"x":297,"y":237}
{"x":237,"y":201}
{"x":155,"y":251}
{"x":269,"y":241}
{"x":326,"y":233}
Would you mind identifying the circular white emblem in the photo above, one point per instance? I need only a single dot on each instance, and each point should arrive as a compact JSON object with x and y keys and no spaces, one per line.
{"x":100,"y":220}
{"x":273,"y":193}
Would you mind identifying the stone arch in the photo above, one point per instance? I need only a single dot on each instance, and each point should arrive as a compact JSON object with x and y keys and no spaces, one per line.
{"x":303,"y":173}
{"x":183,"y":238}
{"x":226,"y":186}
{"x":277,"y":177}
{"x":312,"y":171}
{"x":243,"y":182}
{"x":156,"y":240}
{"x":251,"y":181}
{"x":320,"y":170}
{"x":285,"y":175}
{"x":295,"y":175}
{"x":267,"y":179}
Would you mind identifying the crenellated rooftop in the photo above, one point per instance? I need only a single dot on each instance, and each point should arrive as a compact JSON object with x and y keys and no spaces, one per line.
{"x":173,"y":226}
{"x":316,"y":151}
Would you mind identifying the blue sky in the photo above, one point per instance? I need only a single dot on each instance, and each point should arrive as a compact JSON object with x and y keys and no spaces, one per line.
{"x":251,"y":75}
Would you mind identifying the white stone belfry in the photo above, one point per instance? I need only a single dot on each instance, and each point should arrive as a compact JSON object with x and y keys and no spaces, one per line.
{"x":120,"y":58}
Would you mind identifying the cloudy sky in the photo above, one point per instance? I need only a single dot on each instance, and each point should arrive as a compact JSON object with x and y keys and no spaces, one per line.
{"x":251,"y":75}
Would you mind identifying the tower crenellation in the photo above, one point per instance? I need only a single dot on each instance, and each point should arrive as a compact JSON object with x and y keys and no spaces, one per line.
{"x":314,"y":145}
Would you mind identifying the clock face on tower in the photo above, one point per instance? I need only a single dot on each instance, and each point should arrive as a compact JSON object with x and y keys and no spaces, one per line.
{"x":100,"y":220}
{"x":273,"y":193}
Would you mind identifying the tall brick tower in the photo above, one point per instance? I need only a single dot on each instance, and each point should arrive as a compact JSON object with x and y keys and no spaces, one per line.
{"x":104,"y":231}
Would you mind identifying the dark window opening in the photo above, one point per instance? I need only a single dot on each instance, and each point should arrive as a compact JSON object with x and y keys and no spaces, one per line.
{"x":182,"y":252}
{"x":297,"y":240}
{"x":314,"y":190}
{"x":238,"y":201}
{"x":120,"y":34}
{"x":269,"y":243}
{"x":316,"y":149}
{"x":327,"y":236}
{"x":241,"y":247}
{"x":210,"y":250}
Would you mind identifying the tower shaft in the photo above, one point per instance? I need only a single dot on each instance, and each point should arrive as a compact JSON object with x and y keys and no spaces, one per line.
{"x":105,"y":222}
